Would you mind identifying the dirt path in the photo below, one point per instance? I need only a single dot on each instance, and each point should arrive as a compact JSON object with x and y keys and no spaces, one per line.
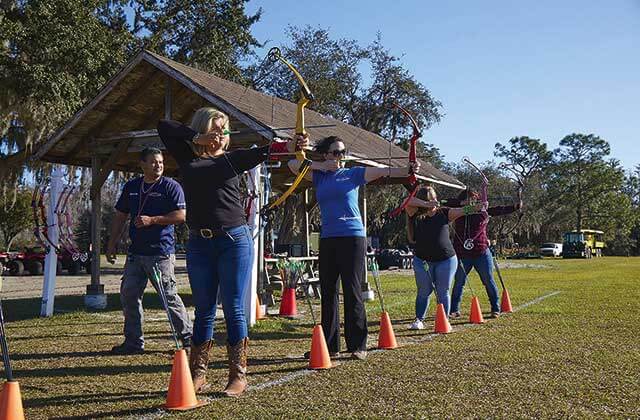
{"x":19,"y":287}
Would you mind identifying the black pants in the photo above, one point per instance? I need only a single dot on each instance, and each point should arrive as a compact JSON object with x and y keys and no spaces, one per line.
{"x":343,"y":257}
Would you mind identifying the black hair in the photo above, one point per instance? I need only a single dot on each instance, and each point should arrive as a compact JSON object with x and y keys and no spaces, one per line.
{"x":323,"y":145}
{"x":149,"y":151}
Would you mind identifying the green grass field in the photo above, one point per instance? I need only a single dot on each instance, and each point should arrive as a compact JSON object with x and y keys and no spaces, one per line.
{"x":572,"y":354}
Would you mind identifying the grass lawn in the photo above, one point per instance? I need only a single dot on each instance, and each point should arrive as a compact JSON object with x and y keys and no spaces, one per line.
{"x":572,"y":354}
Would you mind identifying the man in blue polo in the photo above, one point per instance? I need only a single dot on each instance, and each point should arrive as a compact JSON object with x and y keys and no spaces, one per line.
{"x":154,"y":204}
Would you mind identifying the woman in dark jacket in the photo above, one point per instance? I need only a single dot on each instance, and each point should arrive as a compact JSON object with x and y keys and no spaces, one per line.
{"x":220,"y":248}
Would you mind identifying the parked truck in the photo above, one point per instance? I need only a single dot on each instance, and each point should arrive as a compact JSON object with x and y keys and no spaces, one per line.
{"x":585,"y":243}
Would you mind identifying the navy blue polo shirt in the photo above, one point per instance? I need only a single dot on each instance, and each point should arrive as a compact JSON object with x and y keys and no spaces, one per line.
{"x":140,"y":198}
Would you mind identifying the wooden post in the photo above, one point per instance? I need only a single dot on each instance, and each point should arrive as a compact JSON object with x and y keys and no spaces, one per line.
{"x":168,"y":98}
{"x":367,"y":292}
{"x":307,"y":243}
{"x":95,"y":297}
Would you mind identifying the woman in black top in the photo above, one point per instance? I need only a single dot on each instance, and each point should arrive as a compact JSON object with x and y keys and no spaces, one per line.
{"x":220,"y":248}
{"x":434,"y":261}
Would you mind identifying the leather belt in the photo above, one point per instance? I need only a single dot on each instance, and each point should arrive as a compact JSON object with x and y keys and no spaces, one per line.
{"x":207,"y":233}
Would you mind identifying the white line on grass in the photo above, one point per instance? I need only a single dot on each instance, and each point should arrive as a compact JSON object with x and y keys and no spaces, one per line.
{"x":294,"y":375}
{"x":300,"y":373}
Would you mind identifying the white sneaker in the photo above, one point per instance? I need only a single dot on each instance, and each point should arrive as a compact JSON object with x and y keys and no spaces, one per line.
{"x":417,"y":325}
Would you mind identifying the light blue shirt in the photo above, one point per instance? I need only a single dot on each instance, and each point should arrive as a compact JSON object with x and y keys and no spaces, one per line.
{"x":337,"y":194}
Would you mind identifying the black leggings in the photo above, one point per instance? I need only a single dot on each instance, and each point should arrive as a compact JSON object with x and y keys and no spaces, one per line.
{"x":343,"y":257}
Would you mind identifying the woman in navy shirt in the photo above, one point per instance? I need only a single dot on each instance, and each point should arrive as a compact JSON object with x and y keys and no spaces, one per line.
{"x":343,"y":242}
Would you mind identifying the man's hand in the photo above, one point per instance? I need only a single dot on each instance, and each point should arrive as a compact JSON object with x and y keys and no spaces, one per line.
{"x":298,"y":142}
{"x":415,"y":167}
{"x":144,"y":221}
{"x":111,"y":254}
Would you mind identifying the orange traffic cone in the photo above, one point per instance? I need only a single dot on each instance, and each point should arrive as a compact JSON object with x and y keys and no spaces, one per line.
{"x":259,"y":314}
{"x":319,"y":357}
{"x":476,"y":312}
{"x":505,"y":304}
{"x":386,"y":337}
{"x":11,"y":402}
{"x":181,"y":395}
{"x":288,"y":305}
{"x":442,"y":322}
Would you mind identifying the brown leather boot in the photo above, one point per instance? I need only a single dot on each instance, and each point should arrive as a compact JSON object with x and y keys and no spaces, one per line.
{"x":198,"y":363}
{"x":237,"y":369}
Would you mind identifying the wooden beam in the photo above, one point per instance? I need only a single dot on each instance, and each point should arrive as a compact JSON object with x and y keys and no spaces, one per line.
{"x":116,"y":137}
{"x":168,"y":98}
{"x":121,"y":110}
{"x":104,"y":172}
{"x":219,"y":103}
{"x":95,"y":101}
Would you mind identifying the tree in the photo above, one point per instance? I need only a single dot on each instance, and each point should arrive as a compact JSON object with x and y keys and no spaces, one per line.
{"x":15,"y":215}
{"x":55,"y":55}
{"x":523,"y":159}
{"x":580,"y":174}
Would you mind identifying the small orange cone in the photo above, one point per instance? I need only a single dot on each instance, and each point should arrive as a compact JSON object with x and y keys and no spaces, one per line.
{"x":11,"y":402}
{"x":259,"y":314}
{"x":476,"y":312}
{"x":319,"y":357}
{"x":288,"y":305}
{"x":181,"y":395}
{"x":505,"y":305}
{"x":386,"y":337}
{"x":442,"y":322}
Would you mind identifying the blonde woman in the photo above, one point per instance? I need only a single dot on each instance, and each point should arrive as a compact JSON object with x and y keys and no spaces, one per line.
{"x":220,"y":249}
{"x":434,"y":261}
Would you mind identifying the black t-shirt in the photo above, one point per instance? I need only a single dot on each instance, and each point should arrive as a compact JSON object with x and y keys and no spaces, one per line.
{"x":211,"y":185}
{"x":432,"y":236}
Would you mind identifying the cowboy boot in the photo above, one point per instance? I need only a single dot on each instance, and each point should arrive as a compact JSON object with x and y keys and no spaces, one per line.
{"x":198,"y":363}
{"x":237,"y":369}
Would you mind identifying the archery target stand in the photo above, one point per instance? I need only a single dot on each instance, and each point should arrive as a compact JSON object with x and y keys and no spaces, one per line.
{"x":51,"y":260}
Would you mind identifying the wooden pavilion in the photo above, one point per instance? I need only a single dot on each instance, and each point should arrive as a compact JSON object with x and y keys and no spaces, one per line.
{"x":120,"y":120}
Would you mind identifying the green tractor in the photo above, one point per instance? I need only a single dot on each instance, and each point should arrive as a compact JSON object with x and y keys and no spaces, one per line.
{"x":585,"y":243}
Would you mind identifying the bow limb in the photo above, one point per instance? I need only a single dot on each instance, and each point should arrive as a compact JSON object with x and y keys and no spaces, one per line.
{"x":412,"y":180}
{"x":518,"y":179}
{"x":306,"y":97}
{"x":484,"y":195}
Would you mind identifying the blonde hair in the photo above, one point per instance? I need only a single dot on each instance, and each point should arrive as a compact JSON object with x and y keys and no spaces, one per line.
{"x":201,"y":122}
{"x":426,"y":193}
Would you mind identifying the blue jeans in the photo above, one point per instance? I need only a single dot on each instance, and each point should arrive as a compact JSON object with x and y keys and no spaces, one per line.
{"x":484,"y":266}
{"x":224,"y":261}
{"x":438,"y":275}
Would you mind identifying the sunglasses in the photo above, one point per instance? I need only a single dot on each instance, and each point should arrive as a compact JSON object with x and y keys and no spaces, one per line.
{"x":341,"y":152}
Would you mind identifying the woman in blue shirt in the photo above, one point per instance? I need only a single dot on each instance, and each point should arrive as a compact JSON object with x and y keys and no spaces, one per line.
{"x":343,"y":242}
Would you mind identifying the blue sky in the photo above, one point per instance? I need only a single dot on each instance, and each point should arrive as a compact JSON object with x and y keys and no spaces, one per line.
{"x":543,"y":69}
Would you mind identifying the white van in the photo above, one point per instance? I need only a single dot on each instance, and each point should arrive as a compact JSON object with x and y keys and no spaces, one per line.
{"x":551,"y":249}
